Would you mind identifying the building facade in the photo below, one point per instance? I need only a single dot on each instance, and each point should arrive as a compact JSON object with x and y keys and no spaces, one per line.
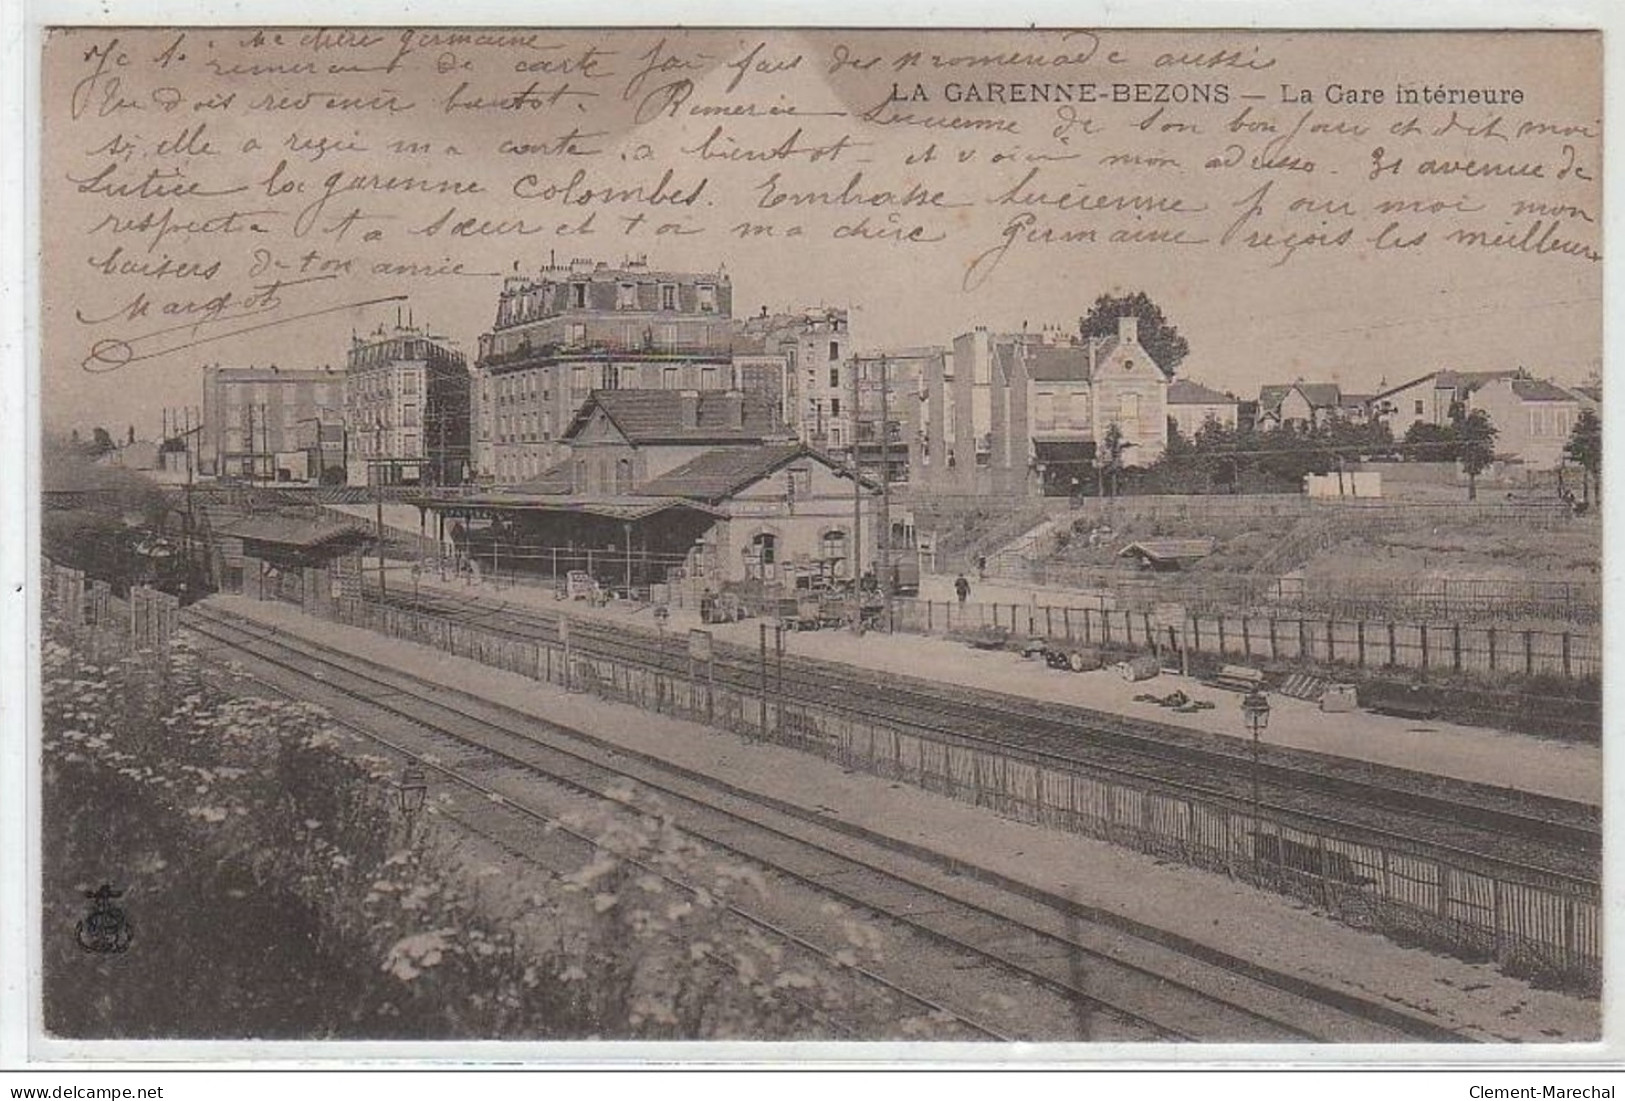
{"x":622,"y":439}
{"x":406,"y":409}
{"x":788,"y":513}
{"x":1533,"y":419}
{"x":814,"y":346}
{"x":1005,"y":411}
{"x":570,"y":330}
{"x":252,"y":414}
{"x":1192,"y":405}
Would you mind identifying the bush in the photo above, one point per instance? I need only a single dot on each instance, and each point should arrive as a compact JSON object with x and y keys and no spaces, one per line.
{"x":275,"y":892}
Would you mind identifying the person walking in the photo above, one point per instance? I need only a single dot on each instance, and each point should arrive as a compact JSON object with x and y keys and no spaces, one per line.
{"x":962,"y":587}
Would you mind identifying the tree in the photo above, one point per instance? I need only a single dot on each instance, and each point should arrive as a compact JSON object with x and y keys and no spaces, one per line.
{"x":1585,"y":448}
{"x":1112,"y":448}
{"x":1431,"y":443}
{"x":101,"y":442}
{"x":1475,"y":441}
{"x":1156,"y":336}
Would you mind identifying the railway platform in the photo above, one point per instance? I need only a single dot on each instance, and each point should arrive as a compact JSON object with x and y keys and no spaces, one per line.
{"x":1473,"y":999}
{"x":1563,"y":769}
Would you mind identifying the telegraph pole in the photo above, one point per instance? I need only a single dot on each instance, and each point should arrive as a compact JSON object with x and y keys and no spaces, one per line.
{"x":883,"y":540}
{"x":378,"y":497}
{"x":857,"y":506}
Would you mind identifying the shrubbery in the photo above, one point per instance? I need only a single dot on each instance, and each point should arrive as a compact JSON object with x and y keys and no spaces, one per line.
{"x":276,"y":892}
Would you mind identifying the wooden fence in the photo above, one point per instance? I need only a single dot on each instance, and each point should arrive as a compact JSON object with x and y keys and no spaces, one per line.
{"x":1534,"y":923}
{"x":152,"y":617}
{"x":1366,"y":644}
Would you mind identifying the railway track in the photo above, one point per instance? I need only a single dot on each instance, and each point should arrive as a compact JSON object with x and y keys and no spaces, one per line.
{"x":1537,"y":832}
{"x":1133,"y":976}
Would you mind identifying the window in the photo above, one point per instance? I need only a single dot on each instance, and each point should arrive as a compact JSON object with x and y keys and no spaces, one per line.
{"x":1419,"y":407}
{"x":834,"y":407}
{"x":708,"y":378}
{"x":834,"y":378}
{"x":578,"y":295}
{"x":668,"y":296}
{"x":623,"y":475}
{"x":626,"y":296}
{"x":834,"y":350}
{"x":708,"y":298}
{"x":1129,"y":412}
{"x":832,"y":545}
{"x":578,"y":333}
{"x":1044,"y":409}
{"x":578,"y":381}
{"x":800,"y":481}
{"x":669,"y":379}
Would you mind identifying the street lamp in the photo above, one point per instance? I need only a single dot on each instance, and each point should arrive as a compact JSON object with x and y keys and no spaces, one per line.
{"x":1255,"y":709}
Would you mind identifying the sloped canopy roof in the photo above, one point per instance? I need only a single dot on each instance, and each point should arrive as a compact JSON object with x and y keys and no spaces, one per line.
{"x":628,"y":507}
{"x":295,"y":531}
{"x":1168,"y":550}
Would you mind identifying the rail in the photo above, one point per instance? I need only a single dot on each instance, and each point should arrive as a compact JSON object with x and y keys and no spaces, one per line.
{"x":1532,"y":923}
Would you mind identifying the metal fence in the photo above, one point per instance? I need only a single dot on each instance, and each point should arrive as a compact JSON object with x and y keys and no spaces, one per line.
{"x":1361,"y":643}
{"x":1532,"y":922}
{"x":1475,"y":600}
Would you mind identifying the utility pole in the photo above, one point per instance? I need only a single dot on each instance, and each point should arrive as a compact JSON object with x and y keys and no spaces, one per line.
{"x":378,"y":496}
{"x":857,"y":505}
{"x":887,"y":567}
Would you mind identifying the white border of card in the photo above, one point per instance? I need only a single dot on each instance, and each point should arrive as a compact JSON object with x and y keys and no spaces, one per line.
{"x":21,"y":1040}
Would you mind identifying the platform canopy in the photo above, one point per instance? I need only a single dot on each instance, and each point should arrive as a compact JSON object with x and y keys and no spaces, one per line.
{"x":629,"y":508}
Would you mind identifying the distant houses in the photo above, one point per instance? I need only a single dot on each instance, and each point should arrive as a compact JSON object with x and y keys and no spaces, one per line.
{"x":1533,"y":417}
{"x":1192,"y":405}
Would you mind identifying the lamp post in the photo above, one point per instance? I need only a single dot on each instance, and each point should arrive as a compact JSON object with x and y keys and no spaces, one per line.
{"x":412,"y":793}
{"x":1255,"y":709}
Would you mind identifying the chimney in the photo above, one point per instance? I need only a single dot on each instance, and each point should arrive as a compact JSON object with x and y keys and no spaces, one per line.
{"x":1128,"y":329}
{"x":688,"y":409}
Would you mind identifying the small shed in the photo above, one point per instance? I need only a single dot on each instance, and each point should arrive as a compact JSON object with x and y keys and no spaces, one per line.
{"x":288,"y":557}
{"x":1168,"y":554}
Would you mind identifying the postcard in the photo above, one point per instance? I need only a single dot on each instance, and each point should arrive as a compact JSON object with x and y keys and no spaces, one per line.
{"x":767,"y":535}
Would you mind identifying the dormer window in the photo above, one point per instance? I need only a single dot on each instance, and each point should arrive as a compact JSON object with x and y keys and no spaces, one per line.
{"x":668,"y":296}
{"x":626,"y":296}
{"x":708,"y":297}
{"x":578,"y":295}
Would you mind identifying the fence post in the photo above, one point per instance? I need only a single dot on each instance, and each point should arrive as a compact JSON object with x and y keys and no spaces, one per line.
{"x":1455,"y":646}
{"x":1529,"y":653}
{"x":1359,"y":643}
{"x":1331,"y":640}
{"x":1221,"y":633}
{"x":1492,"y":648}
{"x":1424,"y":628}
{"x":1568,"y":669}
{"x":1246,"y":638}
{"x":1393,"y":648}
{"x":1275,"y":645}
{"x":1303,"y":639}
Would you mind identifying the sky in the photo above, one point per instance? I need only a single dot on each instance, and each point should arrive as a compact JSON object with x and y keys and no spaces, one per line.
{"x":1242,"y":180}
